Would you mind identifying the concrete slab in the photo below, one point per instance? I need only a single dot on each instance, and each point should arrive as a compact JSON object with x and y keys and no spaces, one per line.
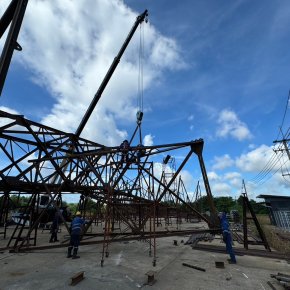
{"x":127,"y":265}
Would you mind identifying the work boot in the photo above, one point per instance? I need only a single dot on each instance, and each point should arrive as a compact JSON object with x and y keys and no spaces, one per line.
{"x":69,"y":249}
{"x":75,"y":256}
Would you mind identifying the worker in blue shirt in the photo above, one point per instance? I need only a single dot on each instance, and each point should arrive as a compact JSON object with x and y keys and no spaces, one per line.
{"x":227,"y":238}
{"x":75,"y":235}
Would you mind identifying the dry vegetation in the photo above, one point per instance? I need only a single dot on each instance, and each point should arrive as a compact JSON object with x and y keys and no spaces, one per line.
{"x":277,"y":238}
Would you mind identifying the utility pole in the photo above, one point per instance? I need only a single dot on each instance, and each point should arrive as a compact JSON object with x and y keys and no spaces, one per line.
{"x":284,"y":142}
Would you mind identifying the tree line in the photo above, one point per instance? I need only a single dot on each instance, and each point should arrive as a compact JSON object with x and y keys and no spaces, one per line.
{"x":227,"y":203}
{"x":222,"y":203}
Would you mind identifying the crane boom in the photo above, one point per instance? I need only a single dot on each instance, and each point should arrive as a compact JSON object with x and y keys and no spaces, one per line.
{"x":14,"y":14}
{"x":139,"y":20}
{"x":109,"y":74}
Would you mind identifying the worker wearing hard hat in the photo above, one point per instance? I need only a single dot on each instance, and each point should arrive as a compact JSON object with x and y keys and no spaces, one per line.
{"x":75,"y":235}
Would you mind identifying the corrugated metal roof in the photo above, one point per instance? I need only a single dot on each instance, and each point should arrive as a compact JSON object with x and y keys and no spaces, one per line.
{"x":273,"y":196}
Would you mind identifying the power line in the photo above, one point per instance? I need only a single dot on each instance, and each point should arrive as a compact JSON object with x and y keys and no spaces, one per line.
{"x":281,"y":146}
{"x":262,"y":182}
{"x":267,"y":168}
{"x":270,"y":165}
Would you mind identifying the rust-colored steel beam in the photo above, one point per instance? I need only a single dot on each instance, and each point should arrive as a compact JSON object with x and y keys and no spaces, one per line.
{"x":91,"y":170}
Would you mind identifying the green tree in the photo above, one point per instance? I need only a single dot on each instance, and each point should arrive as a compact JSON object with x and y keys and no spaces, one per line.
{"x":224,"y":203}
{"x":73,"y":207}
{"x":258,"y":207}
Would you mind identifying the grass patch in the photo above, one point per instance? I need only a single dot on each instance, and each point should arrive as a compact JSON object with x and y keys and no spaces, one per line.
{"x":277,"y":238}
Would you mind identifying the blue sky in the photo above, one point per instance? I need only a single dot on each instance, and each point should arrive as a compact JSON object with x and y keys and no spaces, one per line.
{"x":217,"y":70}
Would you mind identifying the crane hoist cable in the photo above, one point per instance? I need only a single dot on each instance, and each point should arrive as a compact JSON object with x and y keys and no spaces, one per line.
{"x":140,"y":94}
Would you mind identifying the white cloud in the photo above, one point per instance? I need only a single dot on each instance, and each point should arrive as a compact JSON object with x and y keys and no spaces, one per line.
{"x":222,"y":162}
{"x":231,"y":175}
{"x":212,"y":176}
{"x":190,"y":118}
{"x":188,"y":180}
{"x":234,"y":178}
{"x":252,"y":146}
{"x":256,"y":160}
{"x":221,"y":189}
{"x":70,"y":45}
{"x":224,"y":185}
{"x":230,"y":125}
{"x":274,"y":186}
{"x":9,"y":110}
{"x":5,"y":121}
{"x":148,"y":140}
{"x":267,"y":168}
{"x":165,"y":53}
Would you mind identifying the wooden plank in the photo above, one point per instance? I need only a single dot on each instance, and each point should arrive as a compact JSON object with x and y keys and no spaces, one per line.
{"x":194,"y":267}
{"x":75,"y":279}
